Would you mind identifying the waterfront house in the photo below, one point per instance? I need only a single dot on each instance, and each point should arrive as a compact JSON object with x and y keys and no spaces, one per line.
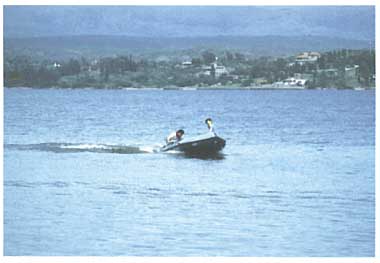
{"x":219,"y":70}
{"x":291,"y":83}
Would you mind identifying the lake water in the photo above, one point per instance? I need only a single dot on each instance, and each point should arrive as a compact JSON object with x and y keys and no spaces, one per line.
{"x":82,"y":175}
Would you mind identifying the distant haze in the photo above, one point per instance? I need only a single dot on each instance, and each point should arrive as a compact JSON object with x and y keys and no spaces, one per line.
{"x":353,"y":22}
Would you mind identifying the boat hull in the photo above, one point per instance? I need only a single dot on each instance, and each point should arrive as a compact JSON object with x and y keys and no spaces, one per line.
{"x":203,"y":146}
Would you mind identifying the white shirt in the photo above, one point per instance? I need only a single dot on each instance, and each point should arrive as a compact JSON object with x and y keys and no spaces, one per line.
{"x":172,"y":137}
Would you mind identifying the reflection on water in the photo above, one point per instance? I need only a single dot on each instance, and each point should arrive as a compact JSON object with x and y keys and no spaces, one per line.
{"x":204,"y":156}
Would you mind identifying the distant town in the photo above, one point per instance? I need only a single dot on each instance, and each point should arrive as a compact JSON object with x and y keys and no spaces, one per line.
{"x":339,"y":69}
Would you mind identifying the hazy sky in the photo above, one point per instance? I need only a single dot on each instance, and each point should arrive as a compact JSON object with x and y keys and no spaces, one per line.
{"x":343,"y":21}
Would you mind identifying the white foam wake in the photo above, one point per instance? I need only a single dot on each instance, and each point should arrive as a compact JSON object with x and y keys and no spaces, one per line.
{"x":85,"y":146}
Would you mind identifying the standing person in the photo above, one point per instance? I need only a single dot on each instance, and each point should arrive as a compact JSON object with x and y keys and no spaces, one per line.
{"x":175,"y":136}
{"x":210,"y":127}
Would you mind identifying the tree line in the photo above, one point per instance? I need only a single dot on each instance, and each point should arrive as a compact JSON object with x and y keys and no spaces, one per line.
{"x":128,"y":71}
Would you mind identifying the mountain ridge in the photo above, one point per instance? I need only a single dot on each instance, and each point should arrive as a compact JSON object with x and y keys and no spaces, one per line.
{"x":355,"y":22}
{"x":69,"y":46}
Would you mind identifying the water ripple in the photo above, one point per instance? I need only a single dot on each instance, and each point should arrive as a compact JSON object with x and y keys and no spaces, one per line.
{"x":109,"y":187}
{"x":18,"y":184}
{"x":58,"y":184}
{"x":202,"y":194}
{"x":120,"y":192}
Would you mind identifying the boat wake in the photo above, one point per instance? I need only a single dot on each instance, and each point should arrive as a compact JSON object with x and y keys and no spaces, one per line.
{"x":83,"y":147}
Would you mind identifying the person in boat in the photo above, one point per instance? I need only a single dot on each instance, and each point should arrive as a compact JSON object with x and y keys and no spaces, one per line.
{"x":210,"y":127}
{"x":175,"y":136}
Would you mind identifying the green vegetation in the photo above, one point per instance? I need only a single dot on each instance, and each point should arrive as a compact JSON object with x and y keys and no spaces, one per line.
{"x":340,"y":69}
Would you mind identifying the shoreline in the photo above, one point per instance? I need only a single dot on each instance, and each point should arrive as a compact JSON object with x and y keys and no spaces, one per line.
{"x":269,"y":87}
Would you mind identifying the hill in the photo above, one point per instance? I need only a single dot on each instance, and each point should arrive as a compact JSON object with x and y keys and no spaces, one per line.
{"x":356,"y":22}
{"x":152,"y":47}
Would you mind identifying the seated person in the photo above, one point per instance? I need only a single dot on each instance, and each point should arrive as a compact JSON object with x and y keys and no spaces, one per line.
{"x":175,"y":136}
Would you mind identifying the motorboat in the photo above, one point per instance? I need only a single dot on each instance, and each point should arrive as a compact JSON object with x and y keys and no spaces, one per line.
{"x":205,"y":144}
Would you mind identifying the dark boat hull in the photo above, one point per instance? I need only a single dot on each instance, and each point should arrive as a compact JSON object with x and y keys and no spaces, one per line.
{"x":204,"y":146}
{"x":207,"y":146}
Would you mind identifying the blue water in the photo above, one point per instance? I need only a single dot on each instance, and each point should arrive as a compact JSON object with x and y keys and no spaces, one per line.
{"x":82,"y":175}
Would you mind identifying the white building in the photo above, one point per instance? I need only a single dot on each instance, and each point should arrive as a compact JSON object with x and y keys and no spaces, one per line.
{"x":295,"y":82}
{"x":186,"y":64}
{"x":291,"y":83}
{"x":219,"y":70}
{"x":307,"y":57}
